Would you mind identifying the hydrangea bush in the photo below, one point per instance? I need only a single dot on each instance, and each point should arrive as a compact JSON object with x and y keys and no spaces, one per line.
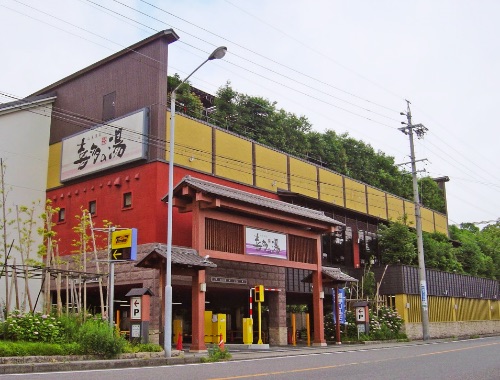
{"x":386,"y":325}
{"x":32,"y":327}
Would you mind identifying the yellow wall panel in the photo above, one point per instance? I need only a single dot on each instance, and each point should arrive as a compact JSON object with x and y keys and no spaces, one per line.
{"x":427,"y":219}
{"x":331,"y":187}
{"x":54,"y":166}
{"x":377,"y":205}
{"x":193,"y":144}
{"x":355,"y":195}
{"x":410,"y":213}
{"x":441,"y":223}
{"x":303,"y":178}
{"x":233,"y":157}
{"x":395,"y":208}
{"x":270,"y":169}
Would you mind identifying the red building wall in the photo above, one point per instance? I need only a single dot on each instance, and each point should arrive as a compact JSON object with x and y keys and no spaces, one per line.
{"x":148,"y":185}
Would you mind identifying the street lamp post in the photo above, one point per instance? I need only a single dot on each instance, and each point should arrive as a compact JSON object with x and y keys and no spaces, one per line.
{"x":216,"y":54}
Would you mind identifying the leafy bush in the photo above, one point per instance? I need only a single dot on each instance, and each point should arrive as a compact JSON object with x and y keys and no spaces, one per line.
{"x":97,"y":337}
{"x":70,"y":326}
{"x":32,"y":327}
{"x":216,"y":354}
{"x":384,"y":326}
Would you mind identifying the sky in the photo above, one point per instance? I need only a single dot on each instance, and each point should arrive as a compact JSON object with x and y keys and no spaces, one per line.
{"x":348,"y":66}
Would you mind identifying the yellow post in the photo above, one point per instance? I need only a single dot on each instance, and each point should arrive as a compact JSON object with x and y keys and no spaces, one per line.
{"x":260,"y":324}
{"x":294,"y":339}
{"x":308,"y":327}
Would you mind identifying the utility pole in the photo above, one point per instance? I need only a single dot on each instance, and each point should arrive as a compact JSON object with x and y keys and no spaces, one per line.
{"x":419,"y":130}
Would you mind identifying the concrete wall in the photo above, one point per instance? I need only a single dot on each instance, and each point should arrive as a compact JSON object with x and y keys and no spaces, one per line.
{"x":454,"y":329}
{"x":24,"y":138}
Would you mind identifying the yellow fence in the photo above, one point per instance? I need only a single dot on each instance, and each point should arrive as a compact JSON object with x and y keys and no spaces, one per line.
{"x":204,"y":148}
{"x":447,"y":309}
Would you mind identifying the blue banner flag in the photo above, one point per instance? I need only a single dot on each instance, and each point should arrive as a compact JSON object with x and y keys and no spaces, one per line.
{"x":342,"y":306}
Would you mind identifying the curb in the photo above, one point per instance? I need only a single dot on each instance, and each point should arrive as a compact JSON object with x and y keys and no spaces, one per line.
{"x":82,"y":365}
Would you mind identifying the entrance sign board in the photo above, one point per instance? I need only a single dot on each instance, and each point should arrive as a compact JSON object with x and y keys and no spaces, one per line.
{"x":265,"y":243}
{"x":107,"y":145}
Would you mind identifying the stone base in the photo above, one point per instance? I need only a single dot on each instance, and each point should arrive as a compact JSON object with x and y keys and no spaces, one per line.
{"x":205,"y":351}
{"x":278,"y":336}
{"x":322,"y":344}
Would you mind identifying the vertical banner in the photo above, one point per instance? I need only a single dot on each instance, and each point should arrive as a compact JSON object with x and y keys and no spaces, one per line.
{"x":342,"y":306}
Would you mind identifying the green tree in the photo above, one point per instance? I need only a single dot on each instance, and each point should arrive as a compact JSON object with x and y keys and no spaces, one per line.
{"x":431,"y":195}
{"x":187,"y":102}
{"x":440,"y":254}
{"x":397,"y":243}
{"x":259,"y":119}
{"x":470,"y":254}
{"x":489,"y":242}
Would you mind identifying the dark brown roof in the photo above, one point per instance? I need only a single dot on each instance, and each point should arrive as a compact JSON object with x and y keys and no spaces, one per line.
{"x":181,"y":256}
{"x":139,"y":292}
{"x":169,"y":34}
{"x":332,"y":275}
{"x":254,"y":199}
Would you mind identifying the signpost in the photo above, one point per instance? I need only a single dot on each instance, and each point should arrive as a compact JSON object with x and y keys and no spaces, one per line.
{"x":124,"y":244}
{"x":140,"y":302}
{"x":136,"y":308}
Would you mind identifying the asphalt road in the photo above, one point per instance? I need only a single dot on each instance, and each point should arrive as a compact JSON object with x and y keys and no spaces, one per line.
{"x":477,"y":359}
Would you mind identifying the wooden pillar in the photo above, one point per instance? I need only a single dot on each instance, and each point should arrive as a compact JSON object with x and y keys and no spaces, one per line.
{"x":318,"y":320}
{"x":198,"y":314}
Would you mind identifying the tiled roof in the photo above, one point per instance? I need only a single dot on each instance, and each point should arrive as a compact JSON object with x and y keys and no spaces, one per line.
{"x":182,"y":256}
{"x":139,"y":292}
{"x":337,"y":275}
{"x":254,"y":199}
{"x":330,"y":275}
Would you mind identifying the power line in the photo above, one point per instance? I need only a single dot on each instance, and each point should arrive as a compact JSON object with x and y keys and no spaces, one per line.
{"x":266,"y":68}
{"x":86,"y":123}
{"x":265,"y":56}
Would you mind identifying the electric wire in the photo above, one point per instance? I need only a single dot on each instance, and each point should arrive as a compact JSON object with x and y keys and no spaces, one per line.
{"x":267,"y":57}
{"x":246,"y":60}
{"x":299,"y":183}
{"x":101,"y":45}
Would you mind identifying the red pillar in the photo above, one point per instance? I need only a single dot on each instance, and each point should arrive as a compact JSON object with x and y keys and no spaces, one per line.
{"x":319,"y":327}
{"x":355,"y":248}
{"x":198,"y":315}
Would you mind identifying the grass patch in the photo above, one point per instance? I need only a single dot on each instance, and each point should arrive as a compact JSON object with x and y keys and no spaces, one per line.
{"x":215,"y":354}
{"x":20,"y":348}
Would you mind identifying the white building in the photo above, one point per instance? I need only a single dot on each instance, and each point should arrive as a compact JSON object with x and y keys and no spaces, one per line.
{"x":24,"y":141}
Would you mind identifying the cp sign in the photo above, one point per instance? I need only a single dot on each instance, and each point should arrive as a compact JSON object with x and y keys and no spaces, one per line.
{"x":135,"y":308}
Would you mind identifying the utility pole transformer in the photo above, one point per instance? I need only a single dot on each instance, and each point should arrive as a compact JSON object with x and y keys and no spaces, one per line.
{"x":419,"y":130}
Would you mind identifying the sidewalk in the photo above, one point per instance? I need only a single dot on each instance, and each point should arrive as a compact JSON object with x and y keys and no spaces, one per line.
{"x":35,"y":364}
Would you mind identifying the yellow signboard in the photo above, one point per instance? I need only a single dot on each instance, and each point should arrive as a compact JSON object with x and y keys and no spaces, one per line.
{"x":124,"y":244}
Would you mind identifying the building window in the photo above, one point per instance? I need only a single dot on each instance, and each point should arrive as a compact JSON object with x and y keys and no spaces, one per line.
{"x":92,"y":207}
{"x":62,"y":215}
{"x":127,"y":200}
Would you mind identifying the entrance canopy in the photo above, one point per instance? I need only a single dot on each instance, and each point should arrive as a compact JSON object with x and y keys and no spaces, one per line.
{"x":331,"y":276}
{"x":182,"y":258}
{"x":223,"y":197}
